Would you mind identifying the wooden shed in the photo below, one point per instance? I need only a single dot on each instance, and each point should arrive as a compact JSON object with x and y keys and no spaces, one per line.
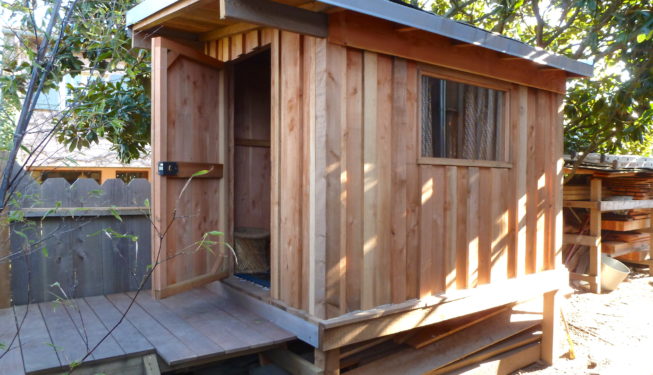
{"x":407,"y":167}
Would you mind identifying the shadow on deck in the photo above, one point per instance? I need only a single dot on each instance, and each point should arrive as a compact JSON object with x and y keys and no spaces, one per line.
{"x":190,"y":329}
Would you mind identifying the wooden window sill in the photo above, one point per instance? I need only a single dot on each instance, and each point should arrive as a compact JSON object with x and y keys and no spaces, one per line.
{"x":463,"y":162}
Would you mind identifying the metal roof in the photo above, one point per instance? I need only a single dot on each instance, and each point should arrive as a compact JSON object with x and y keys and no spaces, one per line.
{"x":421,"y":20}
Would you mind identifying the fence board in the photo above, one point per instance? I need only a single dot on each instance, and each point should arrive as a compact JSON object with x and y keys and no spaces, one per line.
{"x":71,"y":242}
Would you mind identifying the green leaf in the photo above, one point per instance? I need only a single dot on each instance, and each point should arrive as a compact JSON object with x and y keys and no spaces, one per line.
{"x":641,"y":38}
{"x":44,"y":251}
{"x":147,"y":203}
{"x":215,"y":233}
{"x":115,"y":214}
{"x":200,"y":173}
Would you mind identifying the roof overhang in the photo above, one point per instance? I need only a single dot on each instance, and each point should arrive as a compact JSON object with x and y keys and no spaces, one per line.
{"x":383,"y":9}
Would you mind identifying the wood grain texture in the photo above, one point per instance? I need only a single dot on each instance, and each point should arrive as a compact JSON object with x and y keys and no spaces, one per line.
{"x":186,"y":127}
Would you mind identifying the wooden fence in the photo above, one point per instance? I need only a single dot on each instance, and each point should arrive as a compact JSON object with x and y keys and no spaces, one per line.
{"x":79,"y":240}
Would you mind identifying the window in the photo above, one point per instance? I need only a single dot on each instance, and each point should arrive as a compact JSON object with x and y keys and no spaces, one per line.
{"x":462,"y":121}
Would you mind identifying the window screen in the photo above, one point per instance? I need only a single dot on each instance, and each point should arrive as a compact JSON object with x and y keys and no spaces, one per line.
{"x":462,"y":121}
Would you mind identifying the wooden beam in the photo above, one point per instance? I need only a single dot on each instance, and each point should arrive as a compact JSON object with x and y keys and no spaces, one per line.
{"x":571,"y":239}
{"x":276,"y":15}
{"x":225,"y":31}
{"x":291,"y":362}
{"x":163,"y":15}
{"x":365,"y":325}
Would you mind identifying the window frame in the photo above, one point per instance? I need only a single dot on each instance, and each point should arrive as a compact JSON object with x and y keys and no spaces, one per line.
{"x":469,"y":79}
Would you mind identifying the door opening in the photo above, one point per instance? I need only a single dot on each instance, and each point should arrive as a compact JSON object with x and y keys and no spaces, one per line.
{"x":252,"y":167}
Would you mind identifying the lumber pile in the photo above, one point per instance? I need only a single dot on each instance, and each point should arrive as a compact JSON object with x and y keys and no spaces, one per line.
{"x":497,"y":341}
{"x":580,"y":192}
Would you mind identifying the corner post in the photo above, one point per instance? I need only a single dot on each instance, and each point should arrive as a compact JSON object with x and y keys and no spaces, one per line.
{"x":650,"y":244}
{"x":595,"y":230}
{"x":328,"y":361}
{"x":551,"y":327}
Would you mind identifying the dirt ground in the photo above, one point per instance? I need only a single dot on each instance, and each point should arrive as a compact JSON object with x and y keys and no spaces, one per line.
{"x":612,"y":333}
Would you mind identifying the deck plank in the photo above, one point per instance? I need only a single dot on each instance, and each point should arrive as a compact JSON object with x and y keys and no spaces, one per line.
{"x":35,"y":341}
{"x":208,"y":319}
{"x":126,"y":335}
{"x":194,"y":339}
{"x":266,"y":327}
{"x":67,"y":341}
{"x":12,"y":362}
{"x":95,"y":331}
{"x":170,"y":348}
{"x":251,"y":335}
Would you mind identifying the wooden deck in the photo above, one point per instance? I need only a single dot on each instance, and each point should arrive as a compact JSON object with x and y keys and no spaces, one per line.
{"x":189,"y":329}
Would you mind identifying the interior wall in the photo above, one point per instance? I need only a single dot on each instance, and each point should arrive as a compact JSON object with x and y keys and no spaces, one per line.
{"x":252,"y":142}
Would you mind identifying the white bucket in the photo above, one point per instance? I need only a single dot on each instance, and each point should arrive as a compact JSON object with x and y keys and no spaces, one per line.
{"x":613,"y":272}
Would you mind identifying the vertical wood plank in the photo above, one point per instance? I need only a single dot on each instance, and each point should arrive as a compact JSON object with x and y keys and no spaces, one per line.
{"x":462,"y":197}
{"x":542,"y":156}
{"x":159,"y":152}
{"x":499,"y":215}
{"x":336,"y":255}
{"x":383,"y":275}
{"x":472,"y":233}
{"x":437,"y":229}
{"x":352,"y":218}
{"x":251,"y":40}
{"x":519,"y":126}
{"x":307,"y":92}
{"x":531,"y":184}
{"x":220,"y":50}
{"x":291,"y":167}
{"x":275,"y":146}
{"x":450,"y":227}
{"x":413,"y":187}
{"x":400,"y":138}
{"x":485,"y":225}
{"x":226,"y":49}
{"x":236,"y":45}
{"x":371,"y":180}
{"x":558,"y":181}
{"x":426,"y":261}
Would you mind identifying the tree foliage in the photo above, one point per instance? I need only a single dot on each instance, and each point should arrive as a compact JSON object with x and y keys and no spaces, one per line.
{"x":610,"y":112}
{"x":95,"y":44}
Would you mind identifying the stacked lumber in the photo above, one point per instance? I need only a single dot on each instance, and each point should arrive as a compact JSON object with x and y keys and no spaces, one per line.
{"x":500,"y":340}
{"x":637,"y":187}
{"x":580,"y":192}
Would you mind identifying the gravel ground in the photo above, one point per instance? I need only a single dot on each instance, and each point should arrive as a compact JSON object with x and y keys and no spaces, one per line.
{"x":611,"y":333}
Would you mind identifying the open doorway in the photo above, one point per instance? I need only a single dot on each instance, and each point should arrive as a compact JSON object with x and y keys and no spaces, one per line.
{"x":252,"y":166}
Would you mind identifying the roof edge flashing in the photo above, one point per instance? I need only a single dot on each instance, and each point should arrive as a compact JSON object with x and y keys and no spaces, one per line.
{"x":462,"y":32}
